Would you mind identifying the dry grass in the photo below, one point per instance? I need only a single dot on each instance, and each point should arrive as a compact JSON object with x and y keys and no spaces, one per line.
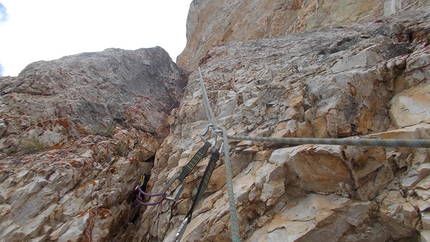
{"x":121,"y":149}
{"x":32,"y":145}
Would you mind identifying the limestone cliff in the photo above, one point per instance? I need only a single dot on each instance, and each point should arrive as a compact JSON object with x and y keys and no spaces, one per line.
{"x":91,"y":91}
{"x":368,"y":79}
{"x":76,"y":135}
{"x":213,"y":23}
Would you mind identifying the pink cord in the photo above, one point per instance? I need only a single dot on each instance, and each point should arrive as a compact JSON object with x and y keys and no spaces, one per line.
{"x":140,"y":200}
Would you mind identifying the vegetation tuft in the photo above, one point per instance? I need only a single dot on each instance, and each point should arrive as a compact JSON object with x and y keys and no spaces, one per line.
{"x":104,"y":130}
{"x":32,"y":145}
{"x":121,"y":149}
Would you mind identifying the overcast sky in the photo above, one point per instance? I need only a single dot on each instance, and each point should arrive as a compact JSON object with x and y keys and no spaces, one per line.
{"x":36,"y":30}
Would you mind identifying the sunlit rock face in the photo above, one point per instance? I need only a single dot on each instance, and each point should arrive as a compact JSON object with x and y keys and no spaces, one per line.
{"x":367,"y":79}
{"x":214,"y":23}
{"x":76,"y":135}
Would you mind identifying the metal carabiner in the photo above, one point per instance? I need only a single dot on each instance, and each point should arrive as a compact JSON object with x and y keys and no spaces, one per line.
{"x":205,"y":132}
{"x":186,"y":170}
{"x":176,"y":196}
{"x":189,"y":166}
{"x":215,"y":134}
{"x":139,"y":198}
{"x":140,"y":192}
{"x":181,"y":229}
{"x":202,"y":186}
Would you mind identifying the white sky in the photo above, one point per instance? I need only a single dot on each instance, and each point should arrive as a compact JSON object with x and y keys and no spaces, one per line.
{"x":50,"y":29}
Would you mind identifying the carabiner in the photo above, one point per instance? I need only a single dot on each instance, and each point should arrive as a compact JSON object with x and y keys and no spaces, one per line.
{"x":205,"y":132}
{"x":185,"y":171}
{"x":181,"y":229}
{"x":201,"y":189}
{"x":215,"y":134}
{"x":176,"y":196}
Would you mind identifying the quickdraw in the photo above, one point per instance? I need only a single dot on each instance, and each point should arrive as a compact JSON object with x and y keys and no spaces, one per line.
{"x":202,"y":187}
{"x":185,"y":172}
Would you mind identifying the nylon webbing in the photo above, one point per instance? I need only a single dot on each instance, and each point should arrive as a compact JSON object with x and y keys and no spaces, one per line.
{"x":204,"y":183}
{"x":193,"y":162}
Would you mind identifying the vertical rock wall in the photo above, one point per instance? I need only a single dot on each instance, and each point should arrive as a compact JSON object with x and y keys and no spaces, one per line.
{"x":212,"y":23}
{"x":76,"y":134}
{"x":365,"y":80}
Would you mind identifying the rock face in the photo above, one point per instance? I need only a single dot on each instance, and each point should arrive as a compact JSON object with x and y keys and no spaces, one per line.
{"x":366,"y":79}
{"x":91,"y":93}
{"x":213,"y":23}
{"x":76,"y":135}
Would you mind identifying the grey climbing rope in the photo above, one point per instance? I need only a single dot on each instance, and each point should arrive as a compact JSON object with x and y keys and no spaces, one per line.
{"x":209,"y":113}
{"x":202,"y":187}
{"x":234,"y":221}
{"x":414,"y":143}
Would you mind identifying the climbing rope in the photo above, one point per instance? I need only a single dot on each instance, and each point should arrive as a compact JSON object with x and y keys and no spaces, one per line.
{"x":202,"y":187}
{"x":234,"y":221}
{"x":415,"y":143}
{"x":209,"y":113}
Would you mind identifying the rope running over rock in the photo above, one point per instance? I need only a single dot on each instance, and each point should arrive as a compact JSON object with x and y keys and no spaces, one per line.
{"x":414,"y":143}
{"x":234,"y":221}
